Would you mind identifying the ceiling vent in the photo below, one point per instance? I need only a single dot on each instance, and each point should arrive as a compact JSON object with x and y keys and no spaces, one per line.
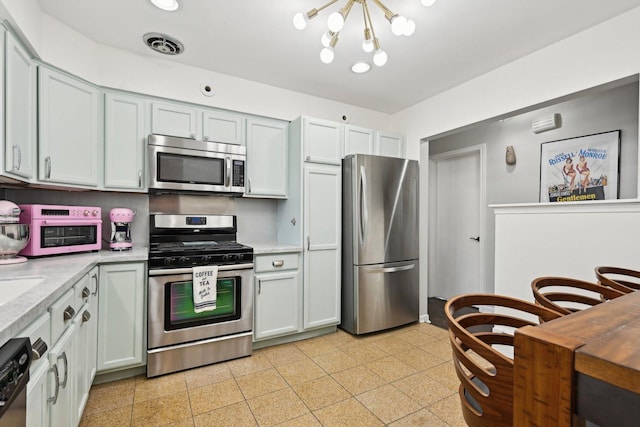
{"x":163,"y":43}
{"x":546,"y":123}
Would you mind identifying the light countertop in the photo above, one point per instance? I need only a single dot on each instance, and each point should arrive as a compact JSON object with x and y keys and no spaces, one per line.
{"x":261,"y":248}
{"x":59,"y":273}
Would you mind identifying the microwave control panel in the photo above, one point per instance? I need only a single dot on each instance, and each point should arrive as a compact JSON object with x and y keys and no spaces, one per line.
{"x":238,"y":173}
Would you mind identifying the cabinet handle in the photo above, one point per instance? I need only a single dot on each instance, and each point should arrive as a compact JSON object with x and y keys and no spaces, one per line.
{"x":19,"y":157}
{"x":308,"y":242}
{"x":16,"y":156}
{"x":259,"y":287}
{"x":95,"y":278}
{"x":54,"y":398}
{"x":63,"y":356}
{"x":204,"y":138}
{"x":193,"y":136}
{"x":86,"y":316}
{"x":278,"y":263}
{"x":38,"y":349}
{"x":85,"y":292}
{"x":47,"y":167}
{"x":140,"y":178}
{"x":249,"y":186}
{"x":68,"y":314}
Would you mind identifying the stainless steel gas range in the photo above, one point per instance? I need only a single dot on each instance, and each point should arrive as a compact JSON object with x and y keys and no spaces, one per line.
{"x":179,"y":337}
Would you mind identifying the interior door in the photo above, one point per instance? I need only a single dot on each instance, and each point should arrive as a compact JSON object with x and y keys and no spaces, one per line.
{"x":455,"y":260}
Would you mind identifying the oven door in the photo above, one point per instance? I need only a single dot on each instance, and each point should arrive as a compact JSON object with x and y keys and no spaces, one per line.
{"x":172,"y":318}
{"x":195,"y":170}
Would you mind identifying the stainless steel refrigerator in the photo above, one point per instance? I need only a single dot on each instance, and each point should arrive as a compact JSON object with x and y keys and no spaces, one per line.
{"x":379,"y":243}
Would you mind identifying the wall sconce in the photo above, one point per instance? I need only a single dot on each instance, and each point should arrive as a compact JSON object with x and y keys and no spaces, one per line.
{"x":510,"y":156}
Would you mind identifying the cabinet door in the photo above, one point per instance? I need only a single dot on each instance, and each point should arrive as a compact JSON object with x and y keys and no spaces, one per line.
{"x":267,"y":150}
{"x":121,"y":323}
{"x":69,"y":129}
{"x":37,"y":395}
{"x":322,"y":225}
{"x":20,"y":110}
{"x":62,"y":362}
{"x":322,"y":141}
{"x":125,"y":142}
{"x":92,"y":344}
{"x":277,"y":304}
{"x":223,"y":127}
{"x":390,"y":144}
{"x":358,"y":140}
{"x":174,"y":120}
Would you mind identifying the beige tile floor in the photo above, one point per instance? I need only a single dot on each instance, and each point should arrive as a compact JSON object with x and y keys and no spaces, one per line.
{"x":402,"y":377}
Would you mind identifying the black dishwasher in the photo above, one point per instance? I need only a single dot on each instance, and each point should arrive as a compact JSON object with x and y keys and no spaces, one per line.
{"x":15,"y":358}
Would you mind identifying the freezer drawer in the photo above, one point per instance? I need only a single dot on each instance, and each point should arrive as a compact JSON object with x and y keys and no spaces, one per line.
{"x":380,"y":296}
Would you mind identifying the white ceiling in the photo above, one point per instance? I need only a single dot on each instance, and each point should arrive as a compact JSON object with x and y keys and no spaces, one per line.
{"x":455,"y":40}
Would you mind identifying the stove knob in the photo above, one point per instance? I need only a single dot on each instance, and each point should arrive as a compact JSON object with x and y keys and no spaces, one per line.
{"x":226,"y":257}
{"x":168,"y":261}
{"x":206,"y":259}
{"x":183,"y":260}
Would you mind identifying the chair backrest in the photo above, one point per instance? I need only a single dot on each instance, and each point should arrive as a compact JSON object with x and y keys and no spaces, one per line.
{"x":621,"y":279}
{"x":479,"y":340}
{"x":566,"y":295}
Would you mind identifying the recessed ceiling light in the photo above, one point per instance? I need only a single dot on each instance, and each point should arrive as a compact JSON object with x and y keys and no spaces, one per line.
{"x":360,"y":67}
{"x":168,"y":5}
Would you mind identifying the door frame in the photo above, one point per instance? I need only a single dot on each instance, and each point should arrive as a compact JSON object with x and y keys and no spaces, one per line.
{"x":480,"y":149}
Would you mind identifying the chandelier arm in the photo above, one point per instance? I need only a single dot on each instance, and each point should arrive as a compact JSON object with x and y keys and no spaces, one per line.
{"x":387,"y":13}
{"x":368,"y":18}
{"x":347,"y":8}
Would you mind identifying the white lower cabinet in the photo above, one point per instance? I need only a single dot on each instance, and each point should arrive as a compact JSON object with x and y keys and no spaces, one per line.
{"x":37,"y":395}
{"x":277,"y":296}
{"x":63,"y":366}
{"x":122,"y":316}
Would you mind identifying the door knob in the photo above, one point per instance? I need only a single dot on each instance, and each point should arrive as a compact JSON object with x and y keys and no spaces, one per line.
{"x":477,"y":239}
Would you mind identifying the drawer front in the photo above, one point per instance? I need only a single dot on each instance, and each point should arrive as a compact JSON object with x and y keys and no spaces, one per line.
{"x":276,"y":262}
{"x":39,"y":329}
{"x":59,"y":320}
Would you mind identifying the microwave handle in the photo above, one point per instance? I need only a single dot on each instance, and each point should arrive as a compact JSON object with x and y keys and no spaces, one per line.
{"x":227,"y":182}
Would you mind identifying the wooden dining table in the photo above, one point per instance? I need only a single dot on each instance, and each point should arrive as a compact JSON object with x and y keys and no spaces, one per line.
{"x":581,"y":367}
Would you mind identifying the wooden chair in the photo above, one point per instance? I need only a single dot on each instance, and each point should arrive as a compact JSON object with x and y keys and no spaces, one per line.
{"x":477,"y":338}
{"x":566,"y":295}
{"x":621,"y":279}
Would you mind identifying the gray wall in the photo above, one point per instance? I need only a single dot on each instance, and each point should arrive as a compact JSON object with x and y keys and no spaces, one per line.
{"x":597,"y":111}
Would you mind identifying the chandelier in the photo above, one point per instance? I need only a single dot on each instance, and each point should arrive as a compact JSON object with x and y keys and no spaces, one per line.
{"x":400,"y":26}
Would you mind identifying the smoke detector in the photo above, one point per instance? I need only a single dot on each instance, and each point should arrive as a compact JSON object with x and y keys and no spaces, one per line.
{"x":163,"y":43}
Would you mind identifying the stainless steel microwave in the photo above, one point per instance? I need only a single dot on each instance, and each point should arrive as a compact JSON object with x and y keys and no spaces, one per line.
{"x":179,"y":164}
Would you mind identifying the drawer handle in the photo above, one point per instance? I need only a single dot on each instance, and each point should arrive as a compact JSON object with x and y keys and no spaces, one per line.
{"x":38,"y":349}
{"x":54,"y":399}
{"x":86,"y":316}
{"x":68,"y":314}
{"x":278,"y":263}
{"x":86,"y":292}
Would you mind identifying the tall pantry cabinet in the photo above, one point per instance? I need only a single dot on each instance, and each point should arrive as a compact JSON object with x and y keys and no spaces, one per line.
{"x":311,"y":216}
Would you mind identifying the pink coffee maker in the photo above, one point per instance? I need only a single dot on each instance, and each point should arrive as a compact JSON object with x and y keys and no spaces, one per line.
{"x":121,"y":219}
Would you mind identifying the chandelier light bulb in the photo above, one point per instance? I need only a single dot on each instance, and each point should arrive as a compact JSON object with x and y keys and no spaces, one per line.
{"x":326,"y":55}
{"x":398,"y":25}
{"x":380,"y":57}
{"x":335,"y":22}
{"x":168,"y":5}
{"x":410,"y":28}
{"x":428,"y":3}
{"x":326,"y":39}
{"x":367,"y":46}
{"x":300,"y":21}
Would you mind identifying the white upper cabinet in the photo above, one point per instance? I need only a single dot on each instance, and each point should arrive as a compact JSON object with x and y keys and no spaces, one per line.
{"x":322,"y":141}
{"x":390,"y":144}
{"x":174,"y":120}
{"x":20,"y":110}
{"x":70,"y":129}
{"x":267,"y":154}
{"x":125,"y":142}
{"x":358,"y":140}
{"x":218,"y":126}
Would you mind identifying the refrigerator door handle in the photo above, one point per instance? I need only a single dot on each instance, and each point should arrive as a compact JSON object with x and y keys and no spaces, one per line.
{"x":364,"y":211}
{"x":391,"y":269}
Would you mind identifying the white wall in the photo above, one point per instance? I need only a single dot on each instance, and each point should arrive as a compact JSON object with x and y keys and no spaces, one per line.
{"x":61,"y":46}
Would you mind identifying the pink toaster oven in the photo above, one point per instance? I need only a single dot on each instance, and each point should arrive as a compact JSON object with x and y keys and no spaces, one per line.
{"x":61,"y":229}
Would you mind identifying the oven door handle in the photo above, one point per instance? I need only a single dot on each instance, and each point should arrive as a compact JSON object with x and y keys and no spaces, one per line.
{"x":71,"y":223}
{"x":189,"y":270}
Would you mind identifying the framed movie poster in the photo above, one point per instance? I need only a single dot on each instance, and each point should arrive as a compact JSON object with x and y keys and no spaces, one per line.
{"x":581,"y":168}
